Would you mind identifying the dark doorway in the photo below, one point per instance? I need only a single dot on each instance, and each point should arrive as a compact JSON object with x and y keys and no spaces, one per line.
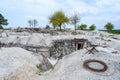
{"x":79,"y":46}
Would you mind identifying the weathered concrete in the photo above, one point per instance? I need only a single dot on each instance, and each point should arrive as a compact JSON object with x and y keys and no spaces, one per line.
{"x":64,"y":47}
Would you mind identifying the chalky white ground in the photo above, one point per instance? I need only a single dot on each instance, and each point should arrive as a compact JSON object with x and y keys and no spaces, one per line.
{"x":71,"y":66}
{"x":35,"y":39}
{"x":13,"y":59}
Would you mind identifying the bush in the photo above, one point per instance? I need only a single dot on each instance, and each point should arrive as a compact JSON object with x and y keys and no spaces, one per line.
{"x":82,"y":27}
{"x":92,"y":27}
{"x":109,"y":26}
{"x":1,"y":27}
{"x":47,"y":27}
{"x":112,"y":31}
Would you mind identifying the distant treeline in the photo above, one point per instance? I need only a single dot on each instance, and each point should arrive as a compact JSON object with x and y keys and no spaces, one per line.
{"x":112,"y":31}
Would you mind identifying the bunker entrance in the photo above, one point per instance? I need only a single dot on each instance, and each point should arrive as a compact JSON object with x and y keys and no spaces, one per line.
{"x":79,"y":46}
{"x":79,"y":43}
{"x":66,"y":46}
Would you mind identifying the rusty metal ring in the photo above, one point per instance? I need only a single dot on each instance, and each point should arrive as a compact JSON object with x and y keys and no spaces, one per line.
{"x":86,"y":65}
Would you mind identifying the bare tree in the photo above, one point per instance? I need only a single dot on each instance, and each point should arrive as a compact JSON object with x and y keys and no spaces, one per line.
{"x":35,"y":22}
{"x":30,"y":23}
{"x":74,"y":20}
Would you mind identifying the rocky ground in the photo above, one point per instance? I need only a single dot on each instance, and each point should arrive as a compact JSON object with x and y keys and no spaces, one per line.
{"x":19,"y":64}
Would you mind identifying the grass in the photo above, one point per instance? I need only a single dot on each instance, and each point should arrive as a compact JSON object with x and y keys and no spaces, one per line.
{"x":39,"y":67}
{"x":112,"y":31}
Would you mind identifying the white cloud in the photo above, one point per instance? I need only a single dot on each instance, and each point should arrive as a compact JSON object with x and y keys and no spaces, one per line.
{"x":95,"y":11}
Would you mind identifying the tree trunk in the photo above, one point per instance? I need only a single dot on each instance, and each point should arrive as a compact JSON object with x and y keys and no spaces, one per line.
{"x":54,"y":27}
{"x":60,"y":27}
{"x":75,"y":28}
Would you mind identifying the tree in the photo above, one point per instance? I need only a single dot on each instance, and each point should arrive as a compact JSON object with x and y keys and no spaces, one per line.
{"x":30,"y":23}
{"x":47,"y":27}
{"x":92,"y":27}
{"x":33,"y":23}
{"x":58,"y":19}
{"x":1,"y":27}
{"x":53,"y":21}
{"x":3,"y":21}
{"x":82,"y":27}
{"x":74,"y":20}
{"x":109,"y":26}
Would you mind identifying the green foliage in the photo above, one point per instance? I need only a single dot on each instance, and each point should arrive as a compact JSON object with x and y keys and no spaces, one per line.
{"x":1,"y":27}
{"x":112,"y":31}
{"x":109,"y":26}
{"x":74,"y":20}
{"x":3,"y":21}
{"x":47,"y":27}
{"x":58,"y":19}
{"x":92,"y":27}
{"x":39,"y":67}
{"x":82,"y":27}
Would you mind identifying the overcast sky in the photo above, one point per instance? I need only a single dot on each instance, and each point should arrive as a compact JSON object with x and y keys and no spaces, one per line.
{"x":97,"y":12}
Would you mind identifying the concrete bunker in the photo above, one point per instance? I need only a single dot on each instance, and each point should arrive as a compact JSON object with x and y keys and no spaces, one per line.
{"x":58,"y":49}
{"x":67,"y":46}
{"x":80,"y":43}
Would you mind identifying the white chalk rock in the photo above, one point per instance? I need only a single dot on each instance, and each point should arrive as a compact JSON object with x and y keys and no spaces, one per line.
{"x":17,"y":64}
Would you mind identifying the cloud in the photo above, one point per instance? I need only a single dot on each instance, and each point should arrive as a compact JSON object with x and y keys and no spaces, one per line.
{"x":95,"y":11}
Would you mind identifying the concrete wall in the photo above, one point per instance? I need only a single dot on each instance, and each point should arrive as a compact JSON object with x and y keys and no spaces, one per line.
{"x":64,"y":47}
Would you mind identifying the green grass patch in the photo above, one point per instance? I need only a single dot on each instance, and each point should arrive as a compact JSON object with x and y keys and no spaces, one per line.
{"x":112,"y":31}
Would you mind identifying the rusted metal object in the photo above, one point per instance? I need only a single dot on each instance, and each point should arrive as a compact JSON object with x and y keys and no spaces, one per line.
{"x":87,"y":62}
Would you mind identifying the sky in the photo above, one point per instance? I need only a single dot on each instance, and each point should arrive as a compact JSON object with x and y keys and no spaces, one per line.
{"x":97,"y":12}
